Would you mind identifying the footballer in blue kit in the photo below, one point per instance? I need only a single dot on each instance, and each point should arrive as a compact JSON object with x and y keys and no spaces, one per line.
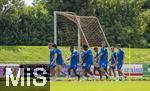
{"x":120,"y":61}
{"x":87,"y":59}
{"x":103,"y":62}
{"x":113,"y":62}
{"x":103,"y":58}
{"x":74,"y":60}
{"x":52,"y":66}
{"x":51,"y":56}
{"x":57,"y":60}
{"x":96,"y":63}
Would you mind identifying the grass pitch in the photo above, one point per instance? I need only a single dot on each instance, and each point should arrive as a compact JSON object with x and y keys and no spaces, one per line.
{"x":101,"y":86}
{"x":40,"y":54}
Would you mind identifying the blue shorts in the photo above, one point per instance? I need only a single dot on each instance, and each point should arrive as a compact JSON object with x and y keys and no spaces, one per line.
{"x":59,"y":63}
{"x":87,"y":66}
{"x":102,"y":65}
{"x":119,"y":66}
{"x":112,"y":67}
{"x":52,"y":66}
{"x":73,"y":66}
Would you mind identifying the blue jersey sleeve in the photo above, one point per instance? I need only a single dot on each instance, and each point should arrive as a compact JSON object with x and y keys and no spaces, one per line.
{"x":122,"y":52}
{"x":55,"y":51}
{"x":120,"y":56}
{"x":114,"y":56}
{"x":51,"y":55}
{"x":77,"y":56}
{"x":84,"y":56}
{"x":86,"y":53}
{"x":101,"y":51}
{"x":59,"y":59}
{"x":72,"y":55}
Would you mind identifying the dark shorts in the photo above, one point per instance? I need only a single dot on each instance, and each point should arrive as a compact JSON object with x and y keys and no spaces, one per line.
{"x":73,"y":67}
{"x":112,"y":67}
{"x":119,"y":66}
{"x":102,"y":65}
{"x":52,"y":66}
{"x":87,"y":66}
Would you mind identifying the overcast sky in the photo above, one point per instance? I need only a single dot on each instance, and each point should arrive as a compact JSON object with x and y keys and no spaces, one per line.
{"x":28,"y":2}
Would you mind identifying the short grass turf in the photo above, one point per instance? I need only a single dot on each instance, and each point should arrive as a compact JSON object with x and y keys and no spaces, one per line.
{"x":3,"y":87}
{"x":40,"y":54}
{"x":101,"y":86}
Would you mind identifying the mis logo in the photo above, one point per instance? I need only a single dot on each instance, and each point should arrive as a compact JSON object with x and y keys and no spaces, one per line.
{"x":26,"y":75}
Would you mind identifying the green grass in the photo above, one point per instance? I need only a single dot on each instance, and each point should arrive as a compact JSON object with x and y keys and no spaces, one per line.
{"x":3,"y":87}
{"x":23,"y":53}
{"x":101,"y":86}
{"x":40,"y":54}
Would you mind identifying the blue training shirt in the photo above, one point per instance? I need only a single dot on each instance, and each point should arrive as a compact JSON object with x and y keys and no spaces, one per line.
{"x":51,"y":55}
{"x":59,"y":59}
{"x":113,"y":57}
{"x":120,"y":55}
{"x":97,"y":54}
{"x":104,"y":55}
{"x":87,"y":57}
{"x":74,"y":58}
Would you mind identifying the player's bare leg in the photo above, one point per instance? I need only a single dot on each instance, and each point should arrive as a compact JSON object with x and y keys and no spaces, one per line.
{"x":98,"y":70}
{"x":69,"y":73}
{"x":57,"y":71}
{"x":114,"y":73}
{"x":52,"y":72}
{"x":74,"y":70}
{"x":110,"y":74}
{"x":104,"y":72}
{"x":91,"y":74}
{"x":53,"y":75}
{"x":121,"y":75}
{"x":94,"y":71}
{"x":100,"y":74}
{"x":84,"y":74}
{"x":111,"y":70}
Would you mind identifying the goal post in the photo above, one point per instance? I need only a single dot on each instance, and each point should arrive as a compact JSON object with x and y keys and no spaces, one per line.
{"x":55,"y":27}
{"x":55,"y":22}
{"x":89,"y":29}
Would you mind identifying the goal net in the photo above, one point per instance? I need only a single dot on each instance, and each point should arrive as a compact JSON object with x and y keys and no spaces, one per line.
{"x":72,"y":29}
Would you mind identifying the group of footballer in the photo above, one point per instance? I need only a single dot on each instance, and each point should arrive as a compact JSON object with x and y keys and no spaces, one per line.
{"x":100,"y":62}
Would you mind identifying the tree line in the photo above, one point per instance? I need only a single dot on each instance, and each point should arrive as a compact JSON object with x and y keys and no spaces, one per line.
{"x":123,"y":21}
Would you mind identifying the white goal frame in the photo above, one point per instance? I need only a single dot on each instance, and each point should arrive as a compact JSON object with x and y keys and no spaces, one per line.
{"x":78,"y":26}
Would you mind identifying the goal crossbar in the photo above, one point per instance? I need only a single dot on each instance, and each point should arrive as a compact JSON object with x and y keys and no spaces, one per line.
{"x":84,"y":24}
